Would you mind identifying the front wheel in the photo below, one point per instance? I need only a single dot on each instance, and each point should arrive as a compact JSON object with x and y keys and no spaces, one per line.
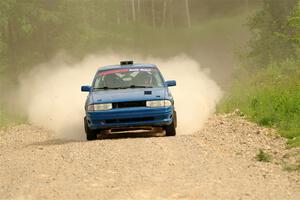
{"x":170,"y":129}
{"x":90,"y":134}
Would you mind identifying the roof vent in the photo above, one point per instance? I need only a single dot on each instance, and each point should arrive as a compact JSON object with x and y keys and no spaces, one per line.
{"x":130,"y":62}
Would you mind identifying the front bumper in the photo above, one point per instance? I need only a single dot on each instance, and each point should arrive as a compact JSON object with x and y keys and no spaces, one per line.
{"x":130,"y":117}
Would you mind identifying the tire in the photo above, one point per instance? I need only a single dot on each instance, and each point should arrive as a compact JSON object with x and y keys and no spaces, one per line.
{"x":175,"y":118}
{"x":90,"y":134}
{"x":170,"y":129}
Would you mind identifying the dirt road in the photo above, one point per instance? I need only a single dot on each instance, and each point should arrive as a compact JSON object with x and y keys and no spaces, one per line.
{"x":215,"y":163}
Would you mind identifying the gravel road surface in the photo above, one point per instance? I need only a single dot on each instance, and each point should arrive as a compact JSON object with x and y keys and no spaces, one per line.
{"x":218,"y":162}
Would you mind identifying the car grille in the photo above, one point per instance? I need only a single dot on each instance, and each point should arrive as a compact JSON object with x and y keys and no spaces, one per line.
{"x":129,"y":104}
{"x":128,"y":120}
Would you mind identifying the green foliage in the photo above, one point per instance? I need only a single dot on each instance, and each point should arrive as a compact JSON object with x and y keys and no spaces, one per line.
{"x":7,"y":118}
{"x":263,"y":156}
{"x":268,"y":92}
{"x":294,"y":26}
{"x":291,"y":160}
{"x":273,"y":38}
{"x":291,"y":168}
{"x":270,"y":97}
{"x":33,"y":31}
{"x":295,"y":141}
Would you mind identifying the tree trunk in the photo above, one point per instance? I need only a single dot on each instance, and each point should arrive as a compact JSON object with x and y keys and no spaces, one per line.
{"x":247,"y":5}
{"x":118,"y":18}
{"x":139,"y":17}
{"x":11,"y":45}
{"x":139,"y":6}
{"x":164,"y":13}
{"x":171,"y":13}
{"x":133,"y":11}
{"x":188,"y":17}
{"x":124,"y":11}
{"x":153,"y":14}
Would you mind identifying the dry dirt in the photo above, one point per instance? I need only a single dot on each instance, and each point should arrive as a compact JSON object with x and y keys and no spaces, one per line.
{"x":215,"y":163}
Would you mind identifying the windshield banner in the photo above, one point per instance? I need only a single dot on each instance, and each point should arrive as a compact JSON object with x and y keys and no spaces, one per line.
{"x":125,"y":70}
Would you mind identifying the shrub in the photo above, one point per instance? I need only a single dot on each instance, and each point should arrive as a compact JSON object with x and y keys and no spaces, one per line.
{"x":269,"y":97}
{"x":263,"y":156}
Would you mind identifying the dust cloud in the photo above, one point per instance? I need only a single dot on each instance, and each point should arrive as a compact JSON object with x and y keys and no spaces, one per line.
{"x":50,"y":94}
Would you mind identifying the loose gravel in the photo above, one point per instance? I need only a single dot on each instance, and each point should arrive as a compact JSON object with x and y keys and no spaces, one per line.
{"x":218,"y":162}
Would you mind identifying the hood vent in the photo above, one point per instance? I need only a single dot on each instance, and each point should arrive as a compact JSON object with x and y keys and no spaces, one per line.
{"x":147,"y":92}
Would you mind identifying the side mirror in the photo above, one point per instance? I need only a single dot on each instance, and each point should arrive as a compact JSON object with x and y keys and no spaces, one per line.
{"x":86,"y":88}
{"x":170,"y":83}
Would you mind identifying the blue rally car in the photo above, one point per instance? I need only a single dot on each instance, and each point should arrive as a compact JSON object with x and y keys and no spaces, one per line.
{"x":129,"y":97}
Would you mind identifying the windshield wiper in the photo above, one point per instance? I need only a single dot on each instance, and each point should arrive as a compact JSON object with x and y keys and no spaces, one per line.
{"x":107,"y":88}
{"x":138,"y":86}
{"x":116,"y":88}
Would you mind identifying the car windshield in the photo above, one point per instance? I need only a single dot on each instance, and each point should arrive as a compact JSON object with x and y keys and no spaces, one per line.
{"x":128,"y":78}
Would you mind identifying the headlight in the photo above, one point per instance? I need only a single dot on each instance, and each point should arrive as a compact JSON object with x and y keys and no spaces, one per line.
{"x":99,"y":107}
{"x":160,"y":103}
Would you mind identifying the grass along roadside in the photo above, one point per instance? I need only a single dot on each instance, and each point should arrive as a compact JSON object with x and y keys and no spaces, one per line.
{"x":263,"y":156}
{"x":269,"y":97}
{"x":7,"y":118}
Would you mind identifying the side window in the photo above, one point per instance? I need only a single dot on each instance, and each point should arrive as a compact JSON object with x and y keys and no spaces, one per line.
{"x":99,"y":82}
{"x":158,"y":80}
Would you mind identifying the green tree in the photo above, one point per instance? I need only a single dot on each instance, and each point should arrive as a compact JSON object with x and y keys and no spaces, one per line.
{"x":294,"y":27}
{"x":269,"y":26}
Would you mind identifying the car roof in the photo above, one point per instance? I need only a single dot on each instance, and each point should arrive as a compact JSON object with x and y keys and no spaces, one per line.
{"x":136,"y":65}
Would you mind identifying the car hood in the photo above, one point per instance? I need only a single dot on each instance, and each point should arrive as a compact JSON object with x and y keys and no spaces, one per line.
{"x":131,"y":94}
